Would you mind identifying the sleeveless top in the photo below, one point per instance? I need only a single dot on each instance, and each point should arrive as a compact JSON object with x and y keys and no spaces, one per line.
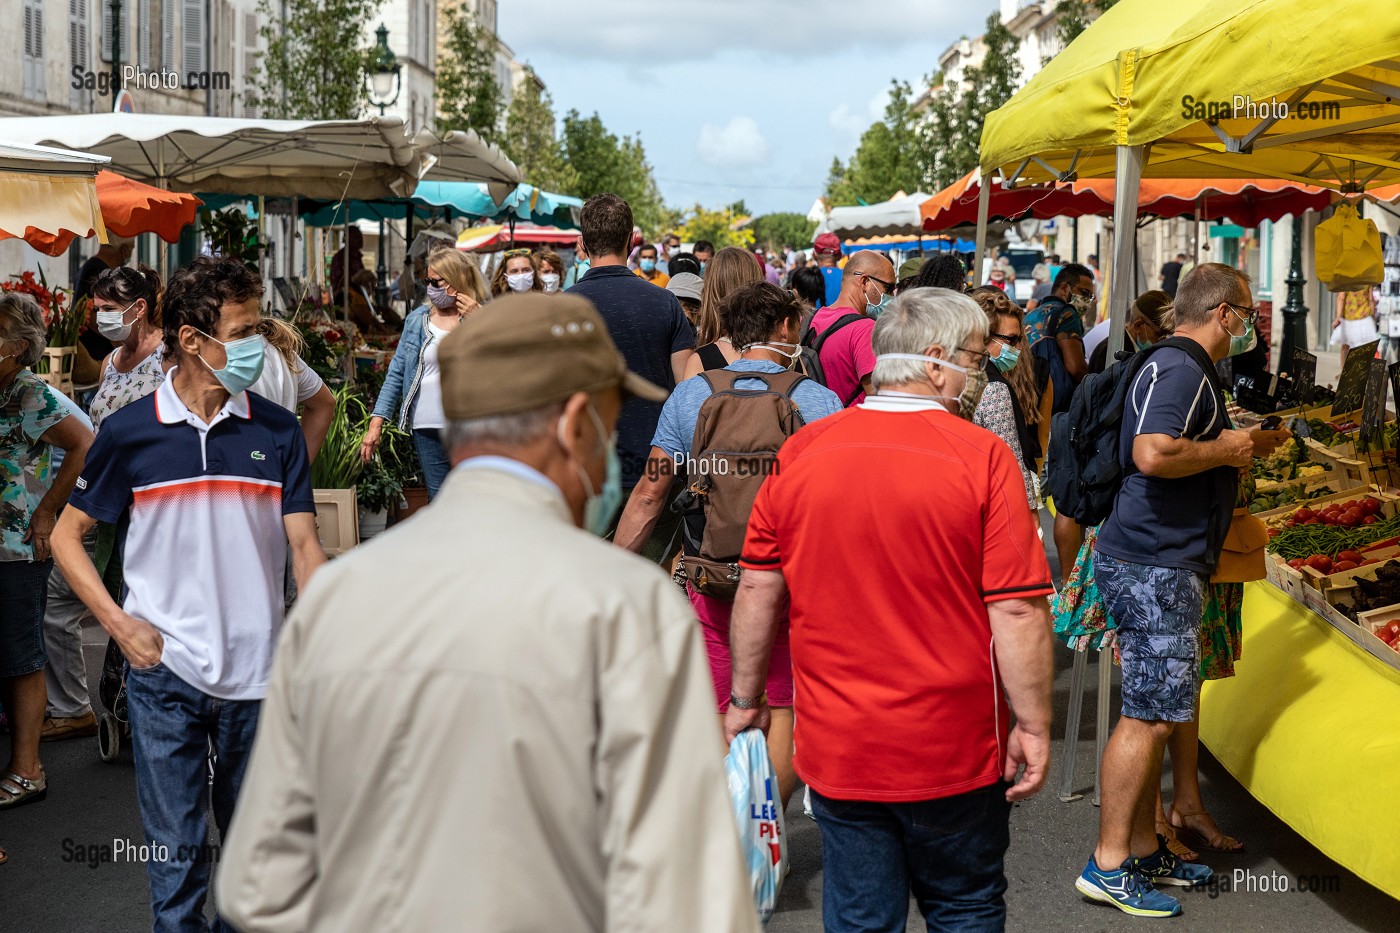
{"x":119,"y":389}
{"x":712,"y":357}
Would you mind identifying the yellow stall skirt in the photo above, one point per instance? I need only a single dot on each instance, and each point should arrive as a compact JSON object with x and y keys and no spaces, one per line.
{"x":1310,"y":725}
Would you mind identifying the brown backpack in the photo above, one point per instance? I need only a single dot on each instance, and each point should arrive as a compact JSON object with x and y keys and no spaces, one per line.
{"x":737,"y":436}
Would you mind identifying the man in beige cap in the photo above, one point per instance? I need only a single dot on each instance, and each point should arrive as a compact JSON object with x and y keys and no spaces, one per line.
{"x":489,"y":718}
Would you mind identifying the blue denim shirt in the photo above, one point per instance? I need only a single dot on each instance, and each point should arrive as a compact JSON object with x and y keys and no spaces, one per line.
{"x":400,"y":390}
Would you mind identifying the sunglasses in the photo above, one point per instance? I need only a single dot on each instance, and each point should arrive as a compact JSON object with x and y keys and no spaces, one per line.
{"x":512,"y":253}
{"x":889,"y":286}
{"x":1011,"y":340}
{"x":436,"y":282}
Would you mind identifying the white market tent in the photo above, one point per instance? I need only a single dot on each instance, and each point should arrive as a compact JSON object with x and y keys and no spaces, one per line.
{"x":323,"y":159}
{"x":900,"y":214}
{"x":49,"y":191}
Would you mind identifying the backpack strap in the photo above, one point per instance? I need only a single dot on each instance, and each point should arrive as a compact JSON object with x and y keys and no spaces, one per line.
{"x":724,"y":380}
{"x":817,"y":340}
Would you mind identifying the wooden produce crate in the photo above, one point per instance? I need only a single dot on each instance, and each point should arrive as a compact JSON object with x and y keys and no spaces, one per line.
{"x":1276,"y":517}
{"x":58,"y":365}
{"x":1337,"y":478}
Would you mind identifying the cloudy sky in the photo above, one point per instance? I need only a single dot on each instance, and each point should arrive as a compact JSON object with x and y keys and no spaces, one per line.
{"x":735,"y":98}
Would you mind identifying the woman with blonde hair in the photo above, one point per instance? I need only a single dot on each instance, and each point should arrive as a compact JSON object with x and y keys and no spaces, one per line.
{"x":412,"y":391}
{"x":287,"y":380}
{"x":731,"y":269}
{"x":1010,"y":401}
{"x":518,"y":272}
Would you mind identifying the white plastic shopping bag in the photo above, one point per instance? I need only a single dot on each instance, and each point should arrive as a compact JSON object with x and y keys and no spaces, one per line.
{"x":758,"y":810}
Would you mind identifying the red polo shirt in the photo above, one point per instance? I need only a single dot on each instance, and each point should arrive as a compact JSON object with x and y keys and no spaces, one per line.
{"x":894,"y":523}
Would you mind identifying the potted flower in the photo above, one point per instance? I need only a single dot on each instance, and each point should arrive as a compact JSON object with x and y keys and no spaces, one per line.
{"x":377,"y":490}
{"x":63,"y":321}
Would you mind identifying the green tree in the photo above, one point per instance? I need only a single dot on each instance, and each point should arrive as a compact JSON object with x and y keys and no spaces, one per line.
{"x":719,"y":227}
{"x":783,"y":229}
{"x":606,"y":163}
{"x":950,"y":135}
{"x":468,"y":97}
{"x":1074,"y":16}
{"x":532,"y":143}
{"x":887,"y":159}
{"x":309,"y":71}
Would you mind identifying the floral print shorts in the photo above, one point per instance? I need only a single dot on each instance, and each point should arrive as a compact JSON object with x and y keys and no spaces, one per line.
{"x":1158,"y":611}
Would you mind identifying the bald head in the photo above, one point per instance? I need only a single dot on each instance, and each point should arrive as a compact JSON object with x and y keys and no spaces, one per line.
{"x":871,"y":263}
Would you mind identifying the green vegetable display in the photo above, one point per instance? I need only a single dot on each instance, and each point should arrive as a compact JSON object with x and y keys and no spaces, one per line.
{"x":1307,"y":540}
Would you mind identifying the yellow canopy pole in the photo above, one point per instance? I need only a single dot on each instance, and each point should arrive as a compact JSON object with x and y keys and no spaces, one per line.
{"x":1128,"y":180}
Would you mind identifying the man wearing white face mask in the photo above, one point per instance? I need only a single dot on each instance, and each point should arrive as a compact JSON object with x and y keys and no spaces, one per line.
{"x":212,"y":485}
{"x":903,"y":684}
{"x":541,"y":686}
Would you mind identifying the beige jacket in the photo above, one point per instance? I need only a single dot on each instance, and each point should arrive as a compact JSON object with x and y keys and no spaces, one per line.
{"x":487,"y":720}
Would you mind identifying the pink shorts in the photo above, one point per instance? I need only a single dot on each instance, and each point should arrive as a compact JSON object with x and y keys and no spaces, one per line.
{"x":714,"y":623}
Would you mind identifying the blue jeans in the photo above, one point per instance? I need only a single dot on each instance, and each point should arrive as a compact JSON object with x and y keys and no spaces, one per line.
{"x":24,"y":587}
{"x":428,"y":443}
{"x":948,"y":852}
{"x":172,"y":726}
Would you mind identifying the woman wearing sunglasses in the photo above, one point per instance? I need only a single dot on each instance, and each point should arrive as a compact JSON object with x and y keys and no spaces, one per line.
{"x":412,"y":391}
{"x":1009,"y":407}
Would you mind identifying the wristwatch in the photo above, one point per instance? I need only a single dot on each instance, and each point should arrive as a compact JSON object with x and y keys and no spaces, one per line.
{"x":748,"y":702}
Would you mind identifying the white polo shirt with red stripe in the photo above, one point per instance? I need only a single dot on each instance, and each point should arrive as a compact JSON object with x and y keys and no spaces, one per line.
{"x":204,"y":547}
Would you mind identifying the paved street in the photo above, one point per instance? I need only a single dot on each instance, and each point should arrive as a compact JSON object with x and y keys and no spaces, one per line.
{"x":43,"y":889}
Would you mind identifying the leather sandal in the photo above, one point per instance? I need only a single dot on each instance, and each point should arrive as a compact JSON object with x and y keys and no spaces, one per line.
{"x":1175,"y":846}
{"x":20,"y":790}
{"x":1197,"y":839}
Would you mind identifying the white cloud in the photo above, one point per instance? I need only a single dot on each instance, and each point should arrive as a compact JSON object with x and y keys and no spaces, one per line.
{"x":623,"y":30}
{"x":852,"y":122}
{"x":739,"y":143}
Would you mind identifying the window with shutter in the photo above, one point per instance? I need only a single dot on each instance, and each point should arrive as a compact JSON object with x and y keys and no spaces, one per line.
{"x":192,"y":23}
{"x":78,"y":50}
{"x":106,"y":51}
{"x":143,"y":34}
{"x":250,"y":61}
{"x":167,"y":35}
{"x":32,"y":18}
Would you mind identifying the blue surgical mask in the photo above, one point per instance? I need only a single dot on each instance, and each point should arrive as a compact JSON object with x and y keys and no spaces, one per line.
{"x":1007,"y":358}
{"x":703,"y":264}
{"x":244,"y":364}
{"x":648,"y":265}
{"x":1245,"y":341}
{"x":1141,"y":344}
{"x":876,"y":308}
{"x":601,"y":506}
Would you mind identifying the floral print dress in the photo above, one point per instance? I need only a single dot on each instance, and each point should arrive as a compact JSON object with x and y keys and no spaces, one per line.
{"x":28,"y":408}
{"x":119,"y":389}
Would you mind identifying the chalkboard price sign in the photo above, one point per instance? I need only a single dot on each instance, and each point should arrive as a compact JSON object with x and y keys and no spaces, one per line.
{"x":1373,"y":408}
{"x":1351,"y":385}
{"x":1304,"y":373}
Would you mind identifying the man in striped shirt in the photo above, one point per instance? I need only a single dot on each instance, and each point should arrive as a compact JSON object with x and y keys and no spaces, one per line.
{"x":209,"y":484}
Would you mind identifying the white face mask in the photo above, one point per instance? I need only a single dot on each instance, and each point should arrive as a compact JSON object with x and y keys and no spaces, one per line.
{"x":550,"y":281}
{"x":520,"y":281}
{"x":113,"y":324}
{"x":790,"y":350}
{"x":974,"y":381}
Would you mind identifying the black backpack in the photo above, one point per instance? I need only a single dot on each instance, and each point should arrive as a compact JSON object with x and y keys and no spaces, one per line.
{"x":812,"y":343}
{"x":1084,"y":465}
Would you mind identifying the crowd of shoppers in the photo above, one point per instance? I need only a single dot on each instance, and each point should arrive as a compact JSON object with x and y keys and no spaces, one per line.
{"x":584,"y":711}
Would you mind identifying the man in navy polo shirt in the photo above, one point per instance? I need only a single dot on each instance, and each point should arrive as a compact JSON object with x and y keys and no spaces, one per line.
{"x":209,"y":483}
{"x":648,"y":325}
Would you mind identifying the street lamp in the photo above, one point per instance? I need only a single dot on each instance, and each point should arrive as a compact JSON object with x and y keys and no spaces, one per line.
{"x":385,"y":80}
{"x":383,"y":72}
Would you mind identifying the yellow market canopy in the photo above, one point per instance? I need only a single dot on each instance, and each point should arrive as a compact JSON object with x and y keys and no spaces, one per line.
{"x":1206,"y":84}
{"x":45,"y":193}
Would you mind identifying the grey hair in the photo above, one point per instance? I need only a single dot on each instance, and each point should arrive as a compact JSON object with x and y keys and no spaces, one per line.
{"x":917,"y":320}
{"x":21,"y":319}
{"x":515,"y":430}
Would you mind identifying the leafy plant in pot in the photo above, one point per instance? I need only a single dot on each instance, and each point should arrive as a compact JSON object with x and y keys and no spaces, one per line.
{"x":377,"y":490}
{"x":336,"y":472}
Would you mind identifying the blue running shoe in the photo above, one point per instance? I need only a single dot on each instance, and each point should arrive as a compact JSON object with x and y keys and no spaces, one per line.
{"x":1128,"y":889}
{"x":1164,"y":868}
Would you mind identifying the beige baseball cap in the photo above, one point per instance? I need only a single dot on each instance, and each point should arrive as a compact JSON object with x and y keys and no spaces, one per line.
{"x":525,"y":351}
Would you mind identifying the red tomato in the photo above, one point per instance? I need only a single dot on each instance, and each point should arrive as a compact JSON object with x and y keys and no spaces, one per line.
{"x":1297,"y":563}
{"x":1352,"y":518}
{"x":1393,"y":628}
{"x":1369,"y":520}
{"x":1303,"y":515}
{"x":1290,"y":523}
{"x":1370,"y":506}
{"x":1353,"y":556}
{"x":1343,"y":565}
{"x":1321,"y":563}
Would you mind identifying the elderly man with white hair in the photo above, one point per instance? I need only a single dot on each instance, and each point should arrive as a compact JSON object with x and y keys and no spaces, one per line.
{"x":917,"y":611}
